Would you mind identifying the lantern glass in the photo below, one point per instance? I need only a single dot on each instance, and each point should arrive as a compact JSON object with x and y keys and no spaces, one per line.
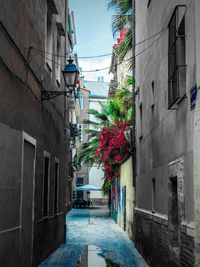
{"x":70,"y":79}
{"x":70,"y":74}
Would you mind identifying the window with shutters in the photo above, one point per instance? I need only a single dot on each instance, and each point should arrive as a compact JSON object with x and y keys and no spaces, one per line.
{"x":49,"y":42}
{"x":58,"y":59}
{"x":176,"y":57}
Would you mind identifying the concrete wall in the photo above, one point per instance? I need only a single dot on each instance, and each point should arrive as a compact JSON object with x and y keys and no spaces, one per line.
{"x":164,"y":138}
{"x":23,"y":25}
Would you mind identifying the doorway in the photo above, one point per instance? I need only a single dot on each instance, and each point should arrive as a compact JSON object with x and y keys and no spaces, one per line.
{"x":27,"y":199}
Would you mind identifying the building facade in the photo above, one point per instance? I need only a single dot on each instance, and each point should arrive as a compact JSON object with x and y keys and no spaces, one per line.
{"x":167,"y":132}
{"x":33,"y":138}
{"x":98,"y":94}
{"x":82,"y":175}
{"x":122,"y":193}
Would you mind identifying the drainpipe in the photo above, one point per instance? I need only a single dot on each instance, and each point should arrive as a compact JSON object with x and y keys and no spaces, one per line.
{"x":196,"y":139}
{"x":134,"y":117}
{"x":65,"y":106}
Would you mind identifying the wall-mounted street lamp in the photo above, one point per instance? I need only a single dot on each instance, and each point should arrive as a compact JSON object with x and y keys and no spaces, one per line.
{"x":70,"y":74}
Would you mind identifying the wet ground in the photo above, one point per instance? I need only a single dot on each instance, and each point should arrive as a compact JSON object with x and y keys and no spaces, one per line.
{"x":94,"y":240}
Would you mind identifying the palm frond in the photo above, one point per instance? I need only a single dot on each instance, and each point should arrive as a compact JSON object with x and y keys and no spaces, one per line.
{"x":120,"y":22}
{"x":86,"y":154}
{"x":123,"y":14}
{"x":92,"y":123}
{"x":91,"y":131}
{"x":129,"y":80}
{"x":125,"y":46}
{"x":100,"y":115}
{"x":120,"y":6}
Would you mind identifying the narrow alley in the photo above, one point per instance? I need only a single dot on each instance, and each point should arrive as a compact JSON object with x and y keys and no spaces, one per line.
{"x":93,"y":239}
{"x":100,"y":133}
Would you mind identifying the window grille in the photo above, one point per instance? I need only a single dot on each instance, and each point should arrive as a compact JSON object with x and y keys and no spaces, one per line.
{"x":176,"y":56}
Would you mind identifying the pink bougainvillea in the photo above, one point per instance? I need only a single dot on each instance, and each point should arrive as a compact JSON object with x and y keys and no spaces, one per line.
{"x":112,"y":149}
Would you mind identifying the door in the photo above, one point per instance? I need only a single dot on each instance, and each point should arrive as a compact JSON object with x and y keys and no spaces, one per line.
{"x":27,"y":202}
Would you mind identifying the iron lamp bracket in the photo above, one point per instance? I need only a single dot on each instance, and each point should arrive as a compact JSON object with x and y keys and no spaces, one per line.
{"x":47,"y":95}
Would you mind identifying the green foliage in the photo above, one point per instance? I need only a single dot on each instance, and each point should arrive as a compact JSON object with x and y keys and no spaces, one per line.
{"x":129,"y":80}
{"x":98,"y":115}
{"x":123,"y":19}
{"x":117,"y":108}
{"x":106,"y":187}
{"x":86,"y":154}
{"x":93,"y":123}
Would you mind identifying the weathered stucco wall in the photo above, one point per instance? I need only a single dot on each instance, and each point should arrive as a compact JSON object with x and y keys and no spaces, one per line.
{"x":21,"y":110}
{"x":126,"y":179}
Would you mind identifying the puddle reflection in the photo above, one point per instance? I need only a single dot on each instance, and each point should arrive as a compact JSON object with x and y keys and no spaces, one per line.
{"x":94,"y":256}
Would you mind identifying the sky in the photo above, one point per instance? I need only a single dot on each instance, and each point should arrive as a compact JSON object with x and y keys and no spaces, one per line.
{"x":93,"y":35}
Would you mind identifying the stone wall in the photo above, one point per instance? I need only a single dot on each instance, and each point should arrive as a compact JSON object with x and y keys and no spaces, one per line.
{"x":152,"y":239}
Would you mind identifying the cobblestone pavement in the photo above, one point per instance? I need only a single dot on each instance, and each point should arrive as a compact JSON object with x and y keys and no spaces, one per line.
{"x":94,"y":240}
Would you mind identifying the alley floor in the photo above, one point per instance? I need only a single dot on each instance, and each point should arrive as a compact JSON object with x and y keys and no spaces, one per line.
{"x":94,"y":240}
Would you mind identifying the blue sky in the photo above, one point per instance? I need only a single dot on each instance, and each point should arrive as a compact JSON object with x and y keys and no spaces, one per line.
{"x":94,"y":35}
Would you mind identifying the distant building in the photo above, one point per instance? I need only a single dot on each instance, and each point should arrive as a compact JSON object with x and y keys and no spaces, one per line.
{"x":98,"y":93}
{"x":82,"y":175}
{"x":167,"y":213}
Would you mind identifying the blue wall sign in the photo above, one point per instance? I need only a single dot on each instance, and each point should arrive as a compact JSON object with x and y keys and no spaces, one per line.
{"x":193,"y":96}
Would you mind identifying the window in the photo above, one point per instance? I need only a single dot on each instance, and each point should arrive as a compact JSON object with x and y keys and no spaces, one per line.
{"x":46,"y":184}
{"x":49,"y":41}
{"x":80,"y":132}
{"x":153,"y":194}
{"x":173,"y":213}
{"x":152,"y":94}
{"x":148,"y":2}
{"x":140,"y":122}
{"x":173,"y":201}
{"x":56,"y":187}
{"x":176,"y":56}
{"x":79,"y":181}
{"x":81,"y":100}
{"x":58,"y":59}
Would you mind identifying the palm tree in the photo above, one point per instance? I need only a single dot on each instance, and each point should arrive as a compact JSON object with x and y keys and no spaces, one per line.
{"x":117,"y":108}
{"x":122,"y":19}
{"x":86,"y":154}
